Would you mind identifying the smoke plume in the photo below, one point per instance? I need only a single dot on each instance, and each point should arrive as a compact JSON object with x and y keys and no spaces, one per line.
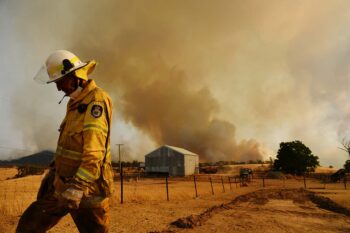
{"x":159,"y":100}
{"x":226,"y":79}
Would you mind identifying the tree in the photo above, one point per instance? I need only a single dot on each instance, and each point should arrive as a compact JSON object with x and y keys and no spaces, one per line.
{"x":346,"y":147}
{"x":296,"y":158}
{"x":347,"y":166}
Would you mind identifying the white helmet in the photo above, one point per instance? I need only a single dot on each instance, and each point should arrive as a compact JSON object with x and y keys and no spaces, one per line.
{"x":61,"y":63}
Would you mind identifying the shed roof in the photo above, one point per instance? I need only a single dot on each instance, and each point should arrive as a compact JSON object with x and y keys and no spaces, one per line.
{"x":178,"y":149}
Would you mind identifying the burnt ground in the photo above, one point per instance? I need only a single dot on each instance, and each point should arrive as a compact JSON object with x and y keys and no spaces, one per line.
{"x":269,"y":210}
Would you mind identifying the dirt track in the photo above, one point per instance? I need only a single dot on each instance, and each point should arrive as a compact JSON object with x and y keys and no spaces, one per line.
{"x":274,"y":210}
{"x":267,"y":210}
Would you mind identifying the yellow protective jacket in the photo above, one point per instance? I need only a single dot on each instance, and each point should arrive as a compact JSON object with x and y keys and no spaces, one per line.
{"x":82,"y":158}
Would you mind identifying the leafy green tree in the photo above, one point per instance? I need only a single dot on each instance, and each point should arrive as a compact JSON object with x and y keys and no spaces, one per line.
{"x":295,"y":158}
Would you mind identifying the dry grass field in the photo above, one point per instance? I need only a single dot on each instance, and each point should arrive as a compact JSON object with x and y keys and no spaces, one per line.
{"x":6,"y":173}
{"x":259,"y":207}
{"x":325,"y":170}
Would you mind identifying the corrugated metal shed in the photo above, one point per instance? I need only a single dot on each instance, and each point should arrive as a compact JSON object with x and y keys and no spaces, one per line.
{"x":181,"y":150}
{"x":171,"y":160}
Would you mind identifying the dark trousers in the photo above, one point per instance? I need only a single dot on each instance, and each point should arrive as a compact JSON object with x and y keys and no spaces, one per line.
{"x":43,"y":214}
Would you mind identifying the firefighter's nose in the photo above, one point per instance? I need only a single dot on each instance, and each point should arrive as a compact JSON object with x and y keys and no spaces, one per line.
{"x":58,"y":86}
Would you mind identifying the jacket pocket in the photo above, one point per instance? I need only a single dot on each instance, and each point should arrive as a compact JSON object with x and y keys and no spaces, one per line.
{"x":74,"y":127}
{"x":74,"y":136}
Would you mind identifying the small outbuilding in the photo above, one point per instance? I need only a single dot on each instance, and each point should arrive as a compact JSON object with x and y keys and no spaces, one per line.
{"x":171,"y":160}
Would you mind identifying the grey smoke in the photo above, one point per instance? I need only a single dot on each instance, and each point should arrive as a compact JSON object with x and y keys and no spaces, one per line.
{"x":267,"y":71}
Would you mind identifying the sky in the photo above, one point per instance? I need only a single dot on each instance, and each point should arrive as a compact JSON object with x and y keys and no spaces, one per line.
{"x":229,"y":80}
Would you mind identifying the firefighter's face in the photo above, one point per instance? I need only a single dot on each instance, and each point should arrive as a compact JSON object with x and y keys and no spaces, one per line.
{"x":66,"y":84}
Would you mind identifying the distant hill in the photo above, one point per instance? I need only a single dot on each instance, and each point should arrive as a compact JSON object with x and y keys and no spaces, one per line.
{"x":42,"y":158}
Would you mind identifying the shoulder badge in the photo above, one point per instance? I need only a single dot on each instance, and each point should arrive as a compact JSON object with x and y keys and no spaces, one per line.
{"x":96,"y":111}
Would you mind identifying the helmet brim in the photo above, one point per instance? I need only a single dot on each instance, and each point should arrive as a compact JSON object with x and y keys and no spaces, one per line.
{"x":69,"y":72}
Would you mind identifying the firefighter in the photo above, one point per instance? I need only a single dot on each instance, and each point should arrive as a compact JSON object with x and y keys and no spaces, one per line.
{"x":80,"y":178}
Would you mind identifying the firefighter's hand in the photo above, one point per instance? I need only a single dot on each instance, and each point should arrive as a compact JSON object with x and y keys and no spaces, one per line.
{"x":71,"y":198}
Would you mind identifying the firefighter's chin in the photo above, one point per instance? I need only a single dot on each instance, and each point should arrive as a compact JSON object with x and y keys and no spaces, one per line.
{"x":75,"y":93}
{"x":67,"y":91}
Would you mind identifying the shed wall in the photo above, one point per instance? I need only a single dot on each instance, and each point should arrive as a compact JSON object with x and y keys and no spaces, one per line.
{"x":191,"y":165}
{"x":166,"y":160}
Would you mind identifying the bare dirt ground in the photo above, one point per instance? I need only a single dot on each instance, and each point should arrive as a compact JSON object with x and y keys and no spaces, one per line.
{"x":281,"y":206}
{"x":270,"y":210}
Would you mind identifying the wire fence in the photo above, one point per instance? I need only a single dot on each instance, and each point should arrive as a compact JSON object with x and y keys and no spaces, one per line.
{"x":173,"y":188}
{"x":17,"y":194}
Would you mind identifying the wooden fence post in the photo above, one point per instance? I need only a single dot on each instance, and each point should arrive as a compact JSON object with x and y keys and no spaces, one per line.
{"x":195,"y":184}
{"x":167,"y":189}
{"x":121,"y":185}
{"x":223,"y":186}
{"x":229,"y":180}
{"x":211,"y":184}
{"x":236,"y":182}
{"x":345,"y":182}
{"x":304,"y":182}
{"x":263,"y":179}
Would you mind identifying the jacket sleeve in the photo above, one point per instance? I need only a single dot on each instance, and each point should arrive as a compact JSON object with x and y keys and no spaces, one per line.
{"x":95,"y":131}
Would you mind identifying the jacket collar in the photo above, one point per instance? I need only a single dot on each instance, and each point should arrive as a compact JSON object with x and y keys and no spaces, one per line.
{"x":91,"y":85}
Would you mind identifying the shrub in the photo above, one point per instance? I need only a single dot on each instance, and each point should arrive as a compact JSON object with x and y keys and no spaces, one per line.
{"x":275,"y":175}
